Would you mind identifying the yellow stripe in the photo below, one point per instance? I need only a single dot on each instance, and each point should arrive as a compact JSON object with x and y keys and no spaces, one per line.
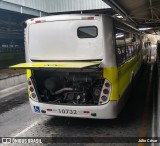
{"x":29,"y":73}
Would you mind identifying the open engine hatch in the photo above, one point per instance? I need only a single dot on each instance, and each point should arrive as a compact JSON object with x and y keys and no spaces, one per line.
{"x":54,"y":65}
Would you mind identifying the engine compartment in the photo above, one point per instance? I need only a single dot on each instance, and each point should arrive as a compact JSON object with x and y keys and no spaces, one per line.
{"x":68,"y":87}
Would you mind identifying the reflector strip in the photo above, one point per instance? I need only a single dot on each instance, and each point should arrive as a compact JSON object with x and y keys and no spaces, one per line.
{"x":38,"y":21}
{"x":90,"y":18}
{"x":86,"y":112}
{"x":87,"y":18}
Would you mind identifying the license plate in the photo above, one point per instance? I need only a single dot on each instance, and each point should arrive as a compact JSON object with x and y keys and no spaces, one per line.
{"x":67,"y":111}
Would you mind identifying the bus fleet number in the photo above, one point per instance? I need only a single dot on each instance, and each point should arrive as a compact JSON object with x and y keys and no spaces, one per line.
{"x":66,"y":111}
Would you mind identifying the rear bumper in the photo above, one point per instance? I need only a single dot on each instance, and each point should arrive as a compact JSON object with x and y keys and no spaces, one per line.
{"x":107,"y":111}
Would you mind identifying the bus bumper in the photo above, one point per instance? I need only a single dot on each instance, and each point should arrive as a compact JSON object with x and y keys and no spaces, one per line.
{"x":107,"y":111}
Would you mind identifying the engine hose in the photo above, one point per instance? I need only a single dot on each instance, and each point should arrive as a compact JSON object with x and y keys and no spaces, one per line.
{"x":61,"y":90}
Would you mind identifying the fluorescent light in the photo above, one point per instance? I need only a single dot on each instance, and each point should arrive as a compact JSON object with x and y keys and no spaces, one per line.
{"x":119,"y":35}
{"x":119,"y":16}
{"x":144,"y":28}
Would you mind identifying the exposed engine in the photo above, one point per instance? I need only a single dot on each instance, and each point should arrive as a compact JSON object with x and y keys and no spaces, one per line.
{"x":69,"y":88}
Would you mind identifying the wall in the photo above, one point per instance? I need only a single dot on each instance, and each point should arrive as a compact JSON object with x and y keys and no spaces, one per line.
{"x":73,"y":5}
{"x":52,"y":6}
{"x":35,"y":4}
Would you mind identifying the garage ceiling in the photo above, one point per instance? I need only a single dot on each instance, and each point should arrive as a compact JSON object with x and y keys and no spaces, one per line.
{"x":143,"y":13}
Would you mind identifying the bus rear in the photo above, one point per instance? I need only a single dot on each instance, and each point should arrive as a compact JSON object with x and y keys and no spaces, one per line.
{"x":65,"y":38}
{"x":64,"y":55}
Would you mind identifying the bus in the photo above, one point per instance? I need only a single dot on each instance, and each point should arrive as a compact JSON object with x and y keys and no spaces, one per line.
{"x":80,"y":65}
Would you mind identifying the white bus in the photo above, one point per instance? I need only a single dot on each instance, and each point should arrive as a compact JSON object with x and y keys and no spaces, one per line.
{"x":80,"y":65}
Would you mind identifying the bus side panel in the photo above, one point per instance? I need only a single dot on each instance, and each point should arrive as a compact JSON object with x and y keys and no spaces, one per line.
{"x":108,"y":43}
{"x":28,"y":74}
{"x":127,"y":71}
{"x":110,"y":71}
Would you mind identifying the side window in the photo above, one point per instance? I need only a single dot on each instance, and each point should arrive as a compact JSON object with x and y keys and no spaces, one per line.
{"x":129,"y":45}
{"x":87,"y":32}
{"x":120,"y":46}
{"x":136,"y":43}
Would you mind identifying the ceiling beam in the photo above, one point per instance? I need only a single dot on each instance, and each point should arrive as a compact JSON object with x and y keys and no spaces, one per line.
{"x":120,"y":10}
{"x":151,"y":8}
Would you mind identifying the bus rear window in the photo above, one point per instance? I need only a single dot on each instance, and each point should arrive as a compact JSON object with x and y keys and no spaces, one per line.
{"x":87,"y":32}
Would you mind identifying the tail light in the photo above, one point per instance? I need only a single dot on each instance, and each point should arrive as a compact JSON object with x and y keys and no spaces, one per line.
{"x":105,"y":91}
{"x":31,"y":89}
{"x":105,"y":94}
{"x":104,"y":98}
{"x":32,"y":92}
{"x":33,"y":95}
{"x":29,"y":83}
{"x":107,"y":84}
